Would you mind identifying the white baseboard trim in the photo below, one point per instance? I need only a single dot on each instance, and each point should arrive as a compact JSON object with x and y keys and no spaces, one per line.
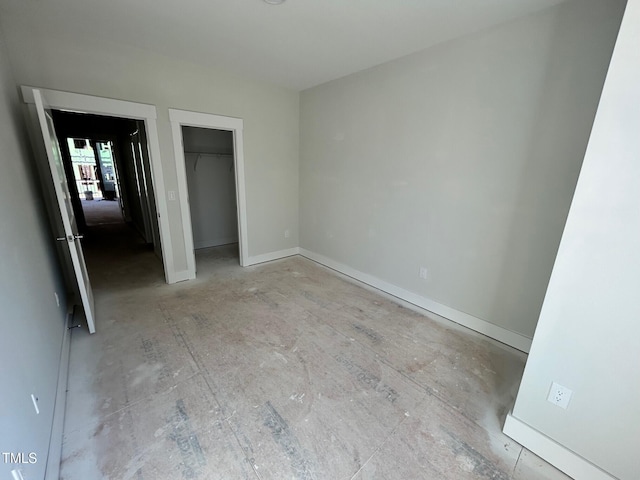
{"x":560,"y":457}
{"x":515,"y":340}
{"x":175,"y":277}
{"x":268,"y":257}
{"x":54,"y":455}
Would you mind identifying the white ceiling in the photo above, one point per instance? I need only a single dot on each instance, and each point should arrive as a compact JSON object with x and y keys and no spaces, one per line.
{"x":298,"y":44}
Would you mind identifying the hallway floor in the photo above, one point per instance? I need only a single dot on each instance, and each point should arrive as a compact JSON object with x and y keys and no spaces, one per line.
{"x":101,"y":212}
{"x":283,"y":370}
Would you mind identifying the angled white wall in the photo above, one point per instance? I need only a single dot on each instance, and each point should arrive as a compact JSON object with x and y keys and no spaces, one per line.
{"x":588,"y":335}
{"x":463,"y":159}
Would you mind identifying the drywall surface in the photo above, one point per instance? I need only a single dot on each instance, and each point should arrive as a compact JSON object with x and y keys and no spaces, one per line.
{"x":461,"y":159}
{"x":212,"y":186}
{"x":588,"y":335}
{"x":69,"y":61}
{"x":31,"y":323}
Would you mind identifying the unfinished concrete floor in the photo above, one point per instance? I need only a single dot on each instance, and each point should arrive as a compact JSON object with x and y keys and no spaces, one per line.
{"x":283,"y":370}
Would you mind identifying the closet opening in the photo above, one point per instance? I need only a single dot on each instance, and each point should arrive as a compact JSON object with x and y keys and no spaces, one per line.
{"x":211,"y":183}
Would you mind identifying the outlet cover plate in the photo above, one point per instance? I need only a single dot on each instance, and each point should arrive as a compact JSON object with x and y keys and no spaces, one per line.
{"x":559,"y":395}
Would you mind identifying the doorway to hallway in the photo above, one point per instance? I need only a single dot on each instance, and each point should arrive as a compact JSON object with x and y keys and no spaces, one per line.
{"x":57,"y":181}
{"x":108,"y":169}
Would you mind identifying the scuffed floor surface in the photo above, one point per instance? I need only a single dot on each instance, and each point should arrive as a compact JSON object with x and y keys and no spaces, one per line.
{"x":280,"y":371}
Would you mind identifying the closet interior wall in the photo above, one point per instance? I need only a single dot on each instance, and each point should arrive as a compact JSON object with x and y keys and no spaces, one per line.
{"x":211,"y":182}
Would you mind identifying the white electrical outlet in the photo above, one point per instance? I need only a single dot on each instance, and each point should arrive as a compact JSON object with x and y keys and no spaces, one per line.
{"x":559,"y":395}
{"x":424,"y":273}
{"x":57,"y":298}
{"x":286,"y":234}
{"x":172,"y":195}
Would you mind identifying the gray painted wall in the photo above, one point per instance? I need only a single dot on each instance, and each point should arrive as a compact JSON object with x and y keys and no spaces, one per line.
{"x":31,"y":323}
{"x":588,"y":336}
{"x":462,"y":158}
{"x":212,"y":186}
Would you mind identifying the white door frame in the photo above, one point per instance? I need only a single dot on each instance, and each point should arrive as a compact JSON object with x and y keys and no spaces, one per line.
{"x":180,"y":118}
{"x":119,"y":108}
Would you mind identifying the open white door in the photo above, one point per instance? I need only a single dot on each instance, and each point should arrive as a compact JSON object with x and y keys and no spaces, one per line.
{"x":71,"y":237}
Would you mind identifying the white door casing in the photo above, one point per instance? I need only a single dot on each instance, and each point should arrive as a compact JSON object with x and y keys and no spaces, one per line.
{"x":70,"y":234}
{"x":180,"y":118}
